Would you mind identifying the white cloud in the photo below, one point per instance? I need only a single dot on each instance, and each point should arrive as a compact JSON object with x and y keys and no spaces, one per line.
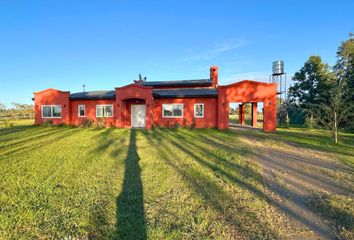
{"x":261,"y":76}
{"x":217,"y":50}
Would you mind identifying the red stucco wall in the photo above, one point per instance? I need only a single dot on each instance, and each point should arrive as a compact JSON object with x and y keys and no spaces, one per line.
{"x":123,"y":97}
{"x":52,"y":97}
{"x":251,"y":92}
{"x":210,"y":113}
{"x":90,"y":111}
{"x":216,"y":110}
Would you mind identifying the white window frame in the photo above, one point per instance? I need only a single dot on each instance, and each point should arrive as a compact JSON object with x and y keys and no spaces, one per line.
{"x":105,"y":105}
{"x":195,"y":104}
{"x":51,"y":106}
{"x":163,"y":116}
{"x":78,"y":110}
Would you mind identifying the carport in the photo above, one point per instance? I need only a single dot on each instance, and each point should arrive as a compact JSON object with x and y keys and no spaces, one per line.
{"x":248,"y":92}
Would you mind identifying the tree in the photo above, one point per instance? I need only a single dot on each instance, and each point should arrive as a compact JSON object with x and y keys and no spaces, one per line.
{"x":344,"y":70}
{"x":2,"y":110}
{"x":2,"y":107}
{"x":311,"y":87}
{"x":21,"y":110}
{"x":339,"y":112}
{"x":334,"y":113}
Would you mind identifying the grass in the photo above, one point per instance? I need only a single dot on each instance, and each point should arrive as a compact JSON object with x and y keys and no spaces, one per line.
{"x":338,"y":210}
{"x":63,"y":182}
{"x":248,"y":120}
{"x":320,"y":140}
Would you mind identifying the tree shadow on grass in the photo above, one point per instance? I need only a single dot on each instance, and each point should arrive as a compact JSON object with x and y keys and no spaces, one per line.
{"x":27,"y":146}
{"x":193,"y":146}
{"x":211,"y":191}
{"x":314,"y":141}
{"x":130,"y":203}
{"x":11,"y":130}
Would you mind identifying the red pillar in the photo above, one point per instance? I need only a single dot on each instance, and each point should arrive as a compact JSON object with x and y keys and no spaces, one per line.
{"x":270,"y":115}
{"x":254,"y":115}
{"x":241,"y":114}
{"x":222,"y":109}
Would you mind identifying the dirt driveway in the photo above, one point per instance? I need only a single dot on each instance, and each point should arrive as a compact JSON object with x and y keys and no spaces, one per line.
{"x":292,"y":175}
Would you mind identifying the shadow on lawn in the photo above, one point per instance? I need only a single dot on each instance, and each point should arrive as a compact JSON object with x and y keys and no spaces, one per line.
{"x":11,"y":130}
{"x":316,"y":141}
{"x":130,"y":203}
{"x":173,"y":144}
{"x":204,"y":149}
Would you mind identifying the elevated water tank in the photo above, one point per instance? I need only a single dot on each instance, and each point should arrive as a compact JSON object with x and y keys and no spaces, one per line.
{"x":278,"y":67}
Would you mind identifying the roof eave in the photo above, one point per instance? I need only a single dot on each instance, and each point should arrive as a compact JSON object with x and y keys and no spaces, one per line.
{"x":186,"y":96}
{"x":92,"y":98}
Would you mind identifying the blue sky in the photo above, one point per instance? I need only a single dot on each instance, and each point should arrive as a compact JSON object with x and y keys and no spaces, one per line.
{"x":106,"y":44}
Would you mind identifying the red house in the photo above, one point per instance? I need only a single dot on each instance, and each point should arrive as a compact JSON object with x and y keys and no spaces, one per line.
{"x":202,"y":103}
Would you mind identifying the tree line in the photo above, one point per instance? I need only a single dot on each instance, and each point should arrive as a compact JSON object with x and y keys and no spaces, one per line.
{"x":16,"y":111}
{"x":322,"y":96}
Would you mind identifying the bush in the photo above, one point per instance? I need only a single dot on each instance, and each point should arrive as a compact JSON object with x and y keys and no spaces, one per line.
{"x":100,"y":123}
{"x":176,"y":125}
{"x":296,"y":114}
{"x":85,"y":123}
{"x":48,"y":123}
{"x":310,"y":122}
{"x":6,"y":123}
{"x":193,"y":124}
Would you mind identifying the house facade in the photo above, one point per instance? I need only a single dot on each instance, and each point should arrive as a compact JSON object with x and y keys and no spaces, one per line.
{"x":201,"y":103}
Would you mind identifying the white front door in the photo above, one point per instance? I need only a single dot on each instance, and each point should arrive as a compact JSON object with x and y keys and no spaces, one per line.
{"x":138,"y":116}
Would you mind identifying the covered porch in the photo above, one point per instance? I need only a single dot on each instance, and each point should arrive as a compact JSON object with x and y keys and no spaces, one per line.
{"x":134,"y":105}
{"x":248,"y":92}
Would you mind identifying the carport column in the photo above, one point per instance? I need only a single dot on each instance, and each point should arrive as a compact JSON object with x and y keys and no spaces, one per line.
{"x":270,"y":115}
{"x":241,"y":114}
{"x":222,"y":109}
{"x":254,"y":115}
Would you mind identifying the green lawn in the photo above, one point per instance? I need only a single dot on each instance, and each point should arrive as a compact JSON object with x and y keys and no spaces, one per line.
{"x":63,"y":182}
{"x":248,"y":121}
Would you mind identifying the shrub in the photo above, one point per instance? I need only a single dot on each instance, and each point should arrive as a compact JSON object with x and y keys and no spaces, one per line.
{"x":193,"y":124}
{"x":48,"y":123}
{"x":85,"y":123}
{"x":176,"y":125}
{"x":310,"y":122}
{"x":6,"y":123}
{"x":100,"y":123}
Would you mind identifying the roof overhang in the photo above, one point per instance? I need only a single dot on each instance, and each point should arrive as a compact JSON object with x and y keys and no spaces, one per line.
{"x":185,"y":93}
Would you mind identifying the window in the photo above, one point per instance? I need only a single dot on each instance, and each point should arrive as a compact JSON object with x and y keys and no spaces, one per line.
{"x":172,"y":110}
{"x":104,"y":110}
{"x":81,"y":110}
{"x":199,"y":110}
{"x":51,"y":111}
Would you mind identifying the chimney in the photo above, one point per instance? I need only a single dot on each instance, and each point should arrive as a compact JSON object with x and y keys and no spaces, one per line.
{"x":138,"y":81}
{"x":214,"y":75}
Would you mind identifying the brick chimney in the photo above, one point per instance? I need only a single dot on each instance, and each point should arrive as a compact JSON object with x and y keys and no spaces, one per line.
{"x":214,"y":75}
{"x":138,"y":81}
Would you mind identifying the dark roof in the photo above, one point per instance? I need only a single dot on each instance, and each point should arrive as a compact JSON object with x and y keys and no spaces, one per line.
{"x":93,"y":95}
{"x":176,"y":83}
{"x":157,"y":93}
{"x":185,"y":93}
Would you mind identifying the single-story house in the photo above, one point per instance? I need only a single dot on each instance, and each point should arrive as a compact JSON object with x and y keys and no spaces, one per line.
{"x":202,"y":103}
